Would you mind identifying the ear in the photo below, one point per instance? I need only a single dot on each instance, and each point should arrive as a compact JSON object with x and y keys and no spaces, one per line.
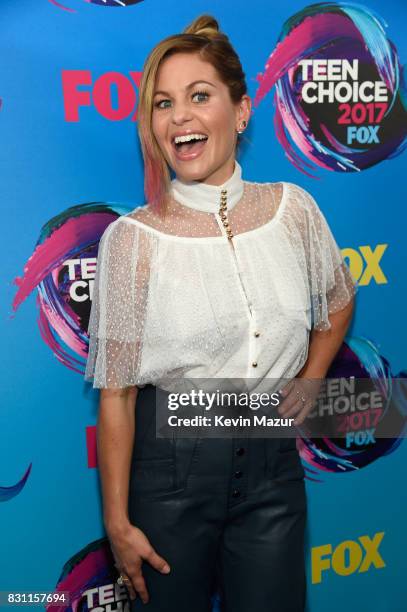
{"x":243,"y":111}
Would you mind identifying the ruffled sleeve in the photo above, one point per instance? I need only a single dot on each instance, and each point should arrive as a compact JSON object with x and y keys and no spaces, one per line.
{"x":331,"y":285}
{"x":117,"y":316}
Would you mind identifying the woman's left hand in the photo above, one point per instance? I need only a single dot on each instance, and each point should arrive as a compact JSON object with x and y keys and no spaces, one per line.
{"x":299,"y":397}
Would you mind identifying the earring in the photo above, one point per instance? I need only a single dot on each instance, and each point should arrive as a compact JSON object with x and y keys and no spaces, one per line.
{"x":242,"y":126}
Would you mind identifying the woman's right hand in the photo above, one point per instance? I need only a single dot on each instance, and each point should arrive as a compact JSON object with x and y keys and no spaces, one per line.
{"x":130,"y":547}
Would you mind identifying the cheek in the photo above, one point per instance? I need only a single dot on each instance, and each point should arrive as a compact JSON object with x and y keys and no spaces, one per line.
{"x":158,"y":128}
{"x":223,"y":124}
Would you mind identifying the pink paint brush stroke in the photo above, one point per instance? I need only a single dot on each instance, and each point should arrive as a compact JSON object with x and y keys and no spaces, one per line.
{"x":65,"y":8}
{"x":52,"y":252}
{"x":304,"y":36}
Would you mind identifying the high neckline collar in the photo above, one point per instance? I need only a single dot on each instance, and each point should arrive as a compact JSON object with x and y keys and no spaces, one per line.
{"x":206,"y":198}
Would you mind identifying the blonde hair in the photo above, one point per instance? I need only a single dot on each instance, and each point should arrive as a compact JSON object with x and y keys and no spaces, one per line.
{"x":202,"y":36}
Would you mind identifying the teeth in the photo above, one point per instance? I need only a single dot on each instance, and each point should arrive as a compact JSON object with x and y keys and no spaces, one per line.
{"x":188,"y":137}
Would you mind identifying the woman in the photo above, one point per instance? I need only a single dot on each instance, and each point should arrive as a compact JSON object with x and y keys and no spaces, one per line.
{"x":216,"y":278}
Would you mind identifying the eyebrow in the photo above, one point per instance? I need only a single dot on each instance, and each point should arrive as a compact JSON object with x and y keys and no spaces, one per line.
{"x":188,"y":87}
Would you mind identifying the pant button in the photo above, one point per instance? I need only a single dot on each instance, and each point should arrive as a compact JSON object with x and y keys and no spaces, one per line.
{"x":238,"y":474}
{"x":236,"y":493}
{"x":240,"y":451}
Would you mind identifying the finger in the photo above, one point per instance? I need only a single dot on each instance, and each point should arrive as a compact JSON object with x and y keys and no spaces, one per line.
{"x":127,"y":583}
{"x":300,"y":418}
{"x":289,"y":402}
{"x":131,"y":591}
{"x":302,"y":408}
{"x":298,"y":405}
{"x":140,"y":586}
{"x":284,"y":391}
{"x":157,"y":562}
{"x":293,"y":409}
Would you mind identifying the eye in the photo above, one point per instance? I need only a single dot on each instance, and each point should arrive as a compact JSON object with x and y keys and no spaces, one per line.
{"x":198,"y":96}
{"x":201,"y":96}
{"x":162,"y":103}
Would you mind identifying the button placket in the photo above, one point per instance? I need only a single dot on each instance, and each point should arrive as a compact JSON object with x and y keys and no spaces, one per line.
{"x":238,"y":480}
{"x":223,"y":222}
{"x":253,"y":346}
{"x":222,"y":219}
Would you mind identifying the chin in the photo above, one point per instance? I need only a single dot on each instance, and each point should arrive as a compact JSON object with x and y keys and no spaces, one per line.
{"x":199,"y":169}
{"x":191,"y":174}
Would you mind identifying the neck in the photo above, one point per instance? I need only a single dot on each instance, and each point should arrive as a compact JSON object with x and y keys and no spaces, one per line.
{"x":205,"y":197}
{"x":217,"y":178}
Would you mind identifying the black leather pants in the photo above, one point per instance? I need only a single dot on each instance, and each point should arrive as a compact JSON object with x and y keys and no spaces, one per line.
{"x":227,"y":514}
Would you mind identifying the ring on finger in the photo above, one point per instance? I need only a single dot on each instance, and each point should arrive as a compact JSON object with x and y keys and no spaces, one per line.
{"x":123,"y":579}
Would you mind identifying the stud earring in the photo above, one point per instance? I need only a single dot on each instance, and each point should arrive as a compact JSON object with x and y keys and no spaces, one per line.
{"x":242,"y":126}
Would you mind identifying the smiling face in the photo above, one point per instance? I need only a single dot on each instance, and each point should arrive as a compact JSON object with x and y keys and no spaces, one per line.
{"x":194,"y":119}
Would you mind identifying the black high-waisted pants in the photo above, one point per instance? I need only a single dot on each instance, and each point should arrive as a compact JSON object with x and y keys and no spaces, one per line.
{"x":227,"y":514}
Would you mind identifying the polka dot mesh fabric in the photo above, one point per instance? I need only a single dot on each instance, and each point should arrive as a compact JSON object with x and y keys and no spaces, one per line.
{"x":256,"y":207}
{"x":173,"y":296}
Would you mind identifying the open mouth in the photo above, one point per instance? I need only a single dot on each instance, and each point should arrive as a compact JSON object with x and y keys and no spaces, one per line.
{"x":189,"y":144}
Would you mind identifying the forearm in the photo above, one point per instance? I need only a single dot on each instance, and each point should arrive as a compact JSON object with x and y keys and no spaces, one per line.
{"x":115,"y":439}
{"x":324,"y":345}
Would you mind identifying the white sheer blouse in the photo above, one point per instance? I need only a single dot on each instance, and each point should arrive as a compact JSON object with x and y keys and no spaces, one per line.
{"x":176,"y":297}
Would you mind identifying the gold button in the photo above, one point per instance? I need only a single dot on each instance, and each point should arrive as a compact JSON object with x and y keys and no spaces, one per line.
{"x":257,"y":334}
{"x":254,"y":364}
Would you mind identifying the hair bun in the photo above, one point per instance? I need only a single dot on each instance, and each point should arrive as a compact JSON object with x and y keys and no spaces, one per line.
{"x":204,"y":25}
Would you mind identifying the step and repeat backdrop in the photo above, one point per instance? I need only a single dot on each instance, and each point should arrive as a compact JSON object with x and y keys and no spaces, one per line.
{"x":329,"y":99}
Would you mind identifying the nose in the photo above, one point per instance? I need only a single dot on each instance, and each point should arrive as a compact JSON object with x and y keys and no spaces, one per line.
{"x":181,"y":112}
